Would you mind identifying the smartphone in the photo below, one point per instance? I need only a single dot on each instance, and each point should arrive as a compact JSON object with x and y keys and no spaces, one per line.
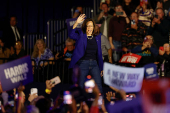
{"x":55,"y":80}
{"x":34,"y":91}
{"x":133,"y":22}
{"x":119,"y":13}
{"x":67,"y":97}
{"x":100,"y":100}
{"x":156,"y":16}
{"x":89,"y":85}
{"x":129,"y":97}
{"x":16,"y":96}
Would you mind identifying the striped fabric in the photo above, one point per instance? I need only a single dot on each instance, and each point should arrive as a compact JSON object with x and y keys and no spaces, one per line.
{"x":145,"y":17}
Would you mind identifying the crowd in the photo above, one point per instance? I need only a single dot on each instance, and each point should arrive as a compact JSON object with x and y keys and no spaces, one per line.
{"x":118,"y":28}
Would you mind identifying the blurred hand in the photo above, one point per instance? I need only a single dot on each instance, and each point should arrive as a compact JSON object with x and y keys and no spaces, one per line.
{"x":67,"y":59}
{"x":81,"y":18}
{"x":56,"y":56}
{"x":123,"y":94}
{"x":101,"y":73}
{"x":32,"y":97}
{"x":110,"y":60}
{"x":100,"y":15}
{"x":156,"y":20}
{"x":110,"y":95}
{"x":161,"y":52}
{"x":85,"y":108}
{"x":145,"y":45}
{"x":124,"y":49}
{"x":49,"y":85}
{"x":124,"y":14}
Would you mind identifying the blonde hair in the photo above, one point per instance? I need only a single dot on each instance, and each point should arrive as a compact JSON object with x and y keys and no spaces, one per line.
{"x":36,"y":51}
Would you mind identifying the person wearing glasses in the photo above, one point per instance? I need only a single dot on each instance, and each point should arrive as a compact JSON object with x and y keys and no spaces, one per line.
{"x":87,"y":54}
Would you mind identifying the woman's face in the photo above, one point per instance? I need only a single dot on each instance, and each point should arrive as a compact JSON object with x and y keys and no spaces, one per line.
{"x":90,"y":28}
{"x":1,"y":43}
{"x":40,"y":45}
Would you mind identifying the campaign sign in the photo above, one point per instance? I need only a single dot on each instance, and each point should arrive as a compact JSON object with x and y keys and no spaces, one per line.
{"x":128,"y":79}
{"x":70,"y":23}
{"x":130,"y":58}
{"x":16,"y":72}
{"x":151,"y":71}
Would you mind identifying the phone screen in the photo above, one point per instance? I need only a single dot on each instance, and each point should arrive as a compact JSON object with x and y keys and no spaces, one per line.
{"x":89,"y":85}
{"x":55,"y":80}
{"x":67,"y":97}
{"x":119,"y":13}
{"x":34,"y":91}
{"x":133,"y":22}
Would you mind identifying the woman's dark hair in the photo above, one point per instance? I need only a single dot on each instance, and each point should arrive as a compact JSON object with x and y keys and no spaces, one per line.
{"x":149,"y":5}
{"x":84,"y":25}
{"x":124,"y":4}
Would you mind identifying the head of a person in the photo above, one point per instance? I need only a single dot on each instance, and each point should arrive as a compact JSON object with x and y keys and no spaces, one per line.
{"x":127,"y":2}
{"x":105,"y":7}
{"x":88,"y":26}
{"x":147,"y":4}
{"x":43,"y":105}
{"x":118,"y":8}
{"x":70,"y":44}
{"x":97,"y":29}
{"x":1,"y":43}
{"x":18,"y":45}
{"x":160,"y":13}
{"x":148,"y":39}
{"x":13,"y":20}
{"x":159,"y":4}
{"x":40,"y":44}
{"x":134,"y":16}
{"x":80,"y":8}
{"x":166,"y":47}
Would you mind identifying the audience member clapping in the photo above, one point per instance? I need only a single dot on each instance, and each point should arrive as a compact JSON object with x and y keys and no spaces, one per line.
{"x":40,"y":52}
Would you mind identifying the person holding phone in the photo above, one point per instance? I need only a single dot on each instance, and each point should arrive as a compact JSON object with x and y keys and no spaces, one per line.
{"x":87,"y":54}
{"x":116,"y":26}
{"x":145,"y":12}
{"x":159,"y":28}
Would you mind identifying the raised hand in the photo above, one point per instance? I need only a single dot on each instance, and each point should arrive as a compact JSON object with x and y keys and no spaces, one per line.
{"x":81,"y":18}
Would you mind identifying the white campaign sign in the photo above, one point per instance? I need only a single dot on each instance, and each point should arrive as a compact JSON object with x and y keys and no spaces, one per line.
{"x":128,"y":79}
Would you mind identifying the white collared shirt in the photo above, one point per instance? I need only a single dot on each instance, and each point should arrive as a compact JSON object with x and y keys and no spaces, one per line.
{"x":13,"y":29}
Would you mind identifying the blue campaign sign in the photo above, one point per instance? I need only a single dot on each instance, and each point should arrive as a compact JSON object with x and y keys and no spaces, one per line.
{"x":133,"y":106}
{"x":70,"y":23}
{"x":16,"y":72}
{"x":151,"y":71}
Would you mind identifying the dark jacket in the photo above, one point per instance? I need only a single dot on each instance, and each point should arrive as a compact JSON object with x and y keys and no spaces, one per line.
{"x":9,"y":37}
{"x":160,"y":32}
{"x":132,"y":37}
{"x":148,"y":55}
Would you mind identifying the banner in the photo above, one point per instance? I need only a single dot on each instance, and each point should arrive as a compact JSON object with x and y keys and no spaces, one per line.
{"x":70,"y":23}
{"x":130,"y":58}
{"x":151,"y":71}
{"x":16,"y":72}
{"x":128,"y":79}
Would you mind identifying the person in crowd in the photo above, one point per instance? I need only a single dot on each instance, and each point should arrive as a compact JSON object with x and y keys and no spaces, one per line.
{"x":87,"y":54}
{"x":160,"y":5}
{"x":145,"y":12}
{"x":116,"y":26}
{"x":128,"y":7}
{"x":159,"y":28}
{"x":148,"y":51}
{"x":133,"y":34}
{"x":163,"y":61}
{"x":4,"y":51}
{"x":78,"y":11}
{"x":12,"y":33}
{"x":110,"y":4}
{"x":103,"y":18}
{"x":18,"y":52}
{"x":68,"y":50}
{"x":40,"y":52}
{"x":106,"y":48}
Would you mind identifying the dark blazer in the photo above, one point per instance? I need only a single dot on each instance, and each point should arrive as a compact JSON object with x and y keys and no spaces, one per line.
{"x":80,"y":48}
{"x":9,"y":37}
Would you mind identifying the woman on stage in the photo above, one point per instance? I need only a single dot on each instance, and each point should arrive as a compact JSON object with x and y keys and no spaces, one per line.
{"x":87,"y":54}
